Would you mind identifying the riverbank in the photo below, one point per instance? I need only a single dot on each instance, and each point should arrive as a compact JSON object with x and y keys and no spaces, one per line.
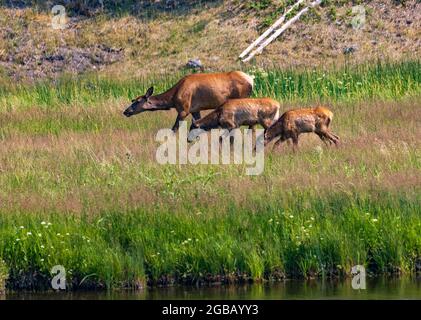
{"x":281,"y":236}
{"x":378,"y":288}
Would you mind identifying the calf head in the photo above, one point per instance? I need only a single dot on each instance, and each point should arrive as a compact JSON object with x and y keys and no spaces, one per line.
{"x":272,"y":132}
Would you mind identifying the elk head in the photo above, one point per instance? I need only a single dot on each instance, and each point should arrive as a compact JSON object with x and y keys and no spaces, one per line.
{"x":141,"y":104}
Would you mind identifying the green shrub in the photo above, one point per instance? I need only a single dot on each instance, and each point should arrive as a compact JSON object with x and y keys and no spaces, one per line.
{"x":260,"y":5}
{"x":332,"y":13}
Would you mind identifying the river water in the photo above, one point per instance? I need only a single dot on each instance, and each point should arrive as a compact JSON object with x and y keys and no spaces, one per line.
{"x":378,"y":288}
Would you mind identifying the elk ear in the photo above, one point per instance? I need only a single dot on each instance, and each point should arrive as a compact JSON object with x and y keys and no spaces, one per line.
{"x":149,"y":93}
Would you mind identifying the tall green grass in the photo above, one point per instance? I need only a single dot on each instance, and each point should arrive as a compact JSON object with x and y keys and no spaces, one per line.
{"x":352,"y":82}
{"x":356,"y":82}
{"x":302,"y":235}
{"x":88,"y":90}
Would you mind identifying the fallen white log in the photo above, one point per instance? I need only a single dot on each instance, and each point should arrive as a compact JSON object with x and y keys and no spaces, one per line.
{"x":281,"y":30}
{"x":270,"y":30}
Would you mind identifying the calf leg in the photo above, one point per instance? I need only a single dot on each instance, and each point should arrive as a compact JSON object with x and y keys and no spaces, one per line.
{"x":253,"y":130}
{"x":323,"y":138}
{"x":337,"y":138}
{"x":324,"y":133}
{"x":278,"y":143}
{"x":227,"y":125}
{"x":332,"y":137}
{"x":294,"y":138}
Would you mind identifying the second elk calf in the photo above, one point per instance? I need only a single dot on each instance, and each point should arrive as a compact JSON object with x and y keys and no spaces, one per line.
{"x":294,"y":122}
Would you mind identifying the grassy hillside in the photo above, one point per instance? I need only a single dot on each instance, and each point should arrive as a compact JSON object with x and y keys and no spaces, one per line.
{"x":80,"y":186}
{"x":143,"y":39}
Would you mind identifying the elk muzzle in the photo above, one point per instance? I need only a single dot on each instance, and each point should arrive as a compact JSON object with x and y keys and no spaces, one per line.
{"x":128,"y":113}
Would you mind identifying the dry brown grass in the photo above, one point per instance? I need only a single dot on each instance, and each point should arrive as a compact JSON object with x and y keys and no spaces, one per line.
{"x":113,"y":166}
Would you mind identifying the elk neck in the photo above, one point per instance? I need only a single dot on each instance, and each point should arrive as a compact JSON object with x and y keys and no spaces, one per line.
{"x":164,"y":101}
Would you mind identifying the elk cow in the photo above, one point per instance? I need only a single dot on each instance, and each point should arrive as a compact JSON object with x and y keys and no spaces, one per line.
{"x":294,"y":122}
{"x":194,"y":93}
{"x":239,"y":112}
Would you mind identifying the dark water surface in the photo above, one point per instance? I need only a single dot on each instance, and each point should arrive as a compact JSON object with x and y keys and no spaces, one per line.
{"x":379,"y":288}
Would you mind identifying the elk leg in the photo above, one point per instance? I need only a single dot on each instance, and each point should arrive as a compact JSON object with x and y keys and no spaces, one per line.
{"x":176,"y":124}
{"x":180,"y":117}
{"x":196,"y":116}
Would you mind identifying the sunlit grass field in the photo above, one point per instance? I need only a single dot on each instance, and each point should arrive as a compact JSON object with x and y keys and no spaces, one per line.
{"x":80,"y":186}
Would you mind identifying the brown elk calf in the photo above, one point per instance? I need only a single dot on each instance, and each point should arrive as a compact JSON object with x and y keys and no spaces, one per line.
{"x":241,"y":112}
{"x":295,"y":122}
{"x":194,"y":93}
